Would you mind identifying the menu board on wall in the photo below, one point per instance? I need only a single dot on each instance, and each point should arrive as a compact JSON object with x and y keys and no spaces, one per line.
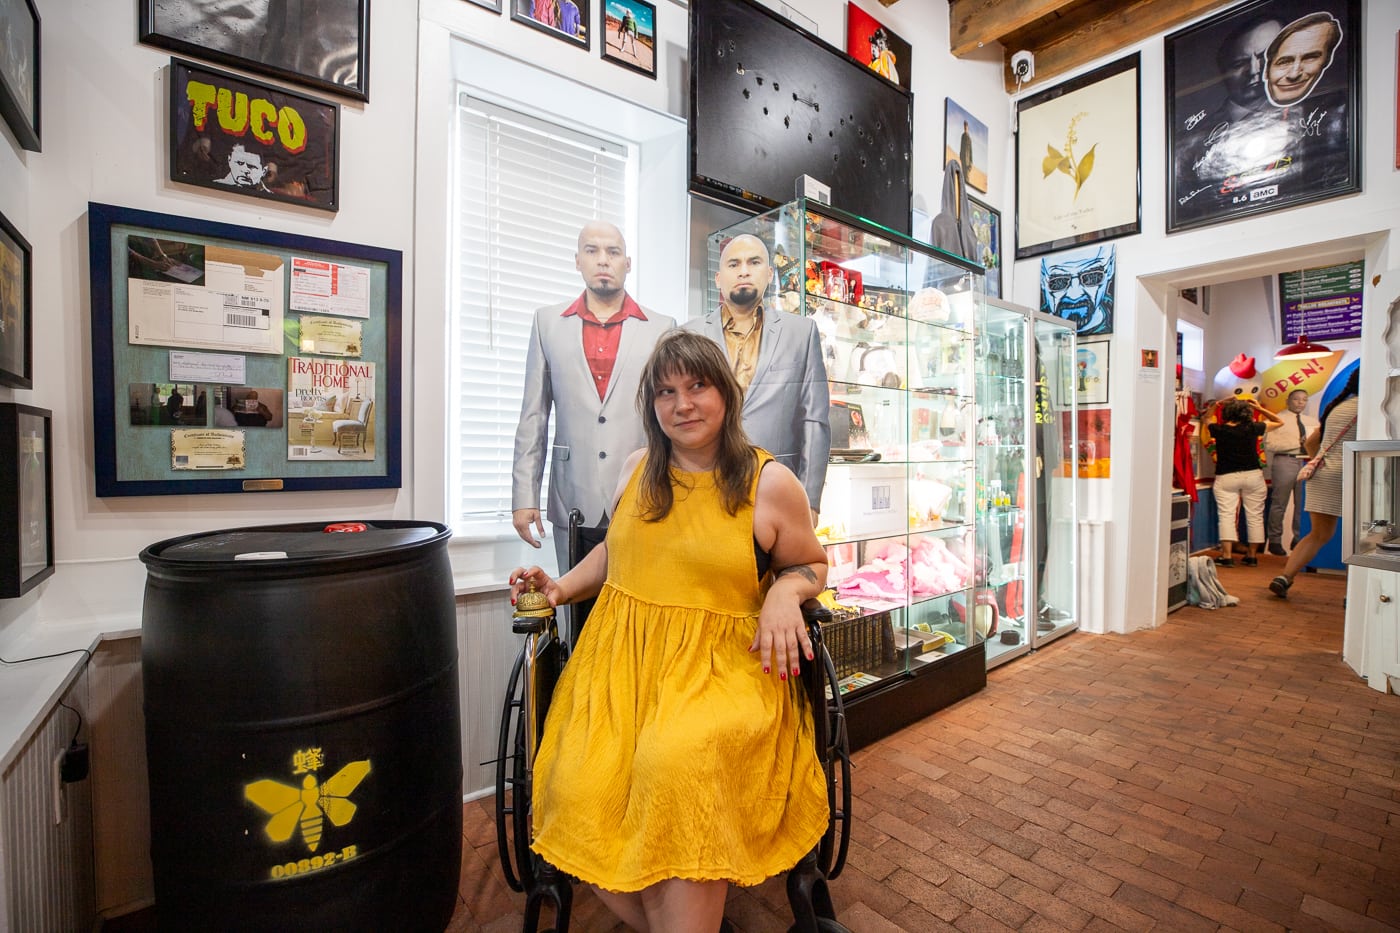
{"x":1324,"y":303}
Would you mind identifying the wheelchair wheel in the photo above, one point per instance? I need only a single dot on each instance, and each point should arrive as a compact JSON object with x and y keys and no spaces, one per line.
{"x":836,"y":761}
{"x":513,"y":788}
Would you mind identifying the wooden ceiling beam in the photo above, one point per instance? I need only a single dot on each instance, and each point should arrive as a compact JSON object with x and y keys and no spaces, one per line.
{"x":975,"y":23}
{"x":1094,"y":30}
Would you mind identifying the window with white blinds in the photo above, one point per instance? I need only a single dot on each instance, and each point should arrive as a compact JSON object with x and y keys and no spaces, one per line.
{"x":523,"y":188}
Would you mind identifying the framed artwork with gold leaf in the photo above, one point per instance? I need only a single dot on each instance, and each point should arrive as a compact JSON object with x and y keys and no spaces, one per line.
{"x":1078,"y":161}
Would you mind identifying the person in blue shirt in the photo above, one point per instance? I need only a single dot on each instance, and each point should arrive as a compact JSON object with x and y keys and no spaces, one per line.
{"x":569,"y":19}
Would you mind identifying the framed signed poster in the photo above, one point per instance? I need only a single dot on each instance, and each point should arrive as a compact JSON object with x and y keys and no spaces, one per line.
{"x":322,"y":44}
{"x":1263,"y":108}
{"x":1078,"y":157}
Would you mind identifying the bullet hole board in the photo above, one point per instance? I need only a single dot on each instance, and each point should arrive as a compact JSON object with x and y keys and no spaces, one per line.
{"x":770,"y":102}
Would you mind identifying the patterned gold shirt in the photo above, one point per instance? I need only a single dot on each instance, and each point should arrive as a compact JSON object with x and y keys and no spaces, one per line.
{"x":742,"y":342}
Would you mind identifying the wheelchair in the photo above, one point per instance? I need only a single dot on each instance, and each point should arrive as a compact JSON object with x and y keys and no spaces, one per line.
{"x":536,"y":671}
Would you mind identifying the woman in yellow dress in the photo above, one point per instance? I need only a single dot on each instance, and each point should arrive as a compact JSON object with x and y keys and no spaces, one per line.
{"x":678,"y":753}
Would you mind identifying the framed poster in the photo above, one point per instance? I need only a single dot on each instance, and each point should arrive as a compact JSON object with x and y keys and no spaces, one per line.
{"x":19,"y":70}
{"x":986,"y":226}
{"x":492,"y":5}
{"x":875,"y":46}
{"x":1091,"y":369}
{"x":1263,"y":109}
{"x":26,"y":498}
{"x":1078,"y":161}
{"x":232,"y":134}
{"x":237,"y":359}
{"x":1079,"y":287}
{"x":965,"y":139}
{"x":16,"y":308}
{"x":629,"y":35}
{"x":562,"y":19}
{"x":322,"y":44}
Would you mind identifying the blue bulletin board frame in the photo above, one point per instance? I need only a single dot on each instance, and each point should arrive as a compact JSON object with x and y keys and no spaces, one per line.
{"x":134,"y":460}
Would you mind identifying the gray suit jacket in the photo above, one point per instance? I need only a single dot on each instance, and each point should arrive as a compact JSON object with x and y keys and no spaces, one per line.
{"x":591,"y":437}
{"x":786,"y":408}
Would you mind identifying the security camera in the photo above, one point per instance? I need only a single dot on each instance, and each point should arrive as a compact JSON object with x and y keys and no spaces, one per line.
{"x":1023,"y":66}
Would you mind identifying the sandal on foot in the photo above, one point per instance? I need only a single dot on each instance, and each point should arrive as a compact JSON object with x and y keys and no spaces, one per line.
{"x":1279,"y":586}
{"x":1225,"y":562}
{"x":1250,"y":561}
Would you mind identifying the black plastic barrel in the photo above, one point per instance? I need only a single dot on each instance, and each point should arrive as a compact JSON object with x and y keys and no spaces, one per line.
{"x":302,"y":728}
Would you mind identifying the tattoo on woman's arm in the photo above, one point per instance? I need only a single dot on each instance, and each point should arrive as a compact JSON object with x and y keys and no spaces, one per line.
{"x":802,"y":569}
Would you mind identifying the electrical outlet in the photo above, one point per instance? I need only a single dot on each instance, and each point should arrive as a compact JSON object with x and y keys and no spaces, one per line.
{"x":75,"y":763}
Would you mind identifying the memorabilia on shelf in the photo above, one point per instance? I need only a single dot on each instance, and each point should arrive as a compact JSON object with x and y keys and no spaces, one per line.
{"x":16,"y":308}
{"x":232,"y":134}
{"x":1078,"y":158}
{"x":1263,"y":110}
{"x":318,"y":45}
{"x":19,"y":71}
{"x":26,"y":498}
{"x":197,"y":327}
{"x":629,"y":35}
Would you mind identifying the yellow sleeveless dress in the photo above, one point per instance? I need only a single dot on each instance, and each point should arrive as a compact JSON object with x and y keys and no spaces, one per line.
{"x":667,"y":752}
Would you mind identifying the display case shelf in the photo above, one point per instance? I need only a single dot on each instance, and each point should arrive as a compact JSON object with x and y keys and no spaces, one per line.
{"x":896,"y":320}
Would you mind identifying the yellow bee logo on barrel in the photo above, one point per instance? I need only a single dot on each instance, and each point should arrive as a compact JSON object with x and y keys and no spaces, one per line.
{"x":310,"y":805}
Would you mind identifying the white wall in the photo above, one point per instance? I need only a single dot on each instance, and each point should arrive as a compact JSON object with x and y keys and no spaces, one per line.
{"x":1152,"y":265}
{"x":103,"y":112}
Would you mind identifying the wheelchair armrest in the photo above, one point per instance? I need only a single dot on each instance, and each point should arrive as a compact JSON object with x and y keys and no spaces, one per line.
{"x":815,"y":615}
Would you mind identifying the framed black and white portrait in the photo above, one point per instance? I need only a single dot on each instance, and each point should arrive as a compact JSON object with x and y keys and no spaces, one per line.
{"x":322,"y":44}
{"x":1263,"y":110}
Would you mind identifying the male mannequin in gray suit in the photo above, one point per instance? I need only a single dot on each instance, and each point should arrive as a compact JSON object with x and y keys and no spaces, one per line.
{"x":585,"y":360}
{"x":777,"y":358}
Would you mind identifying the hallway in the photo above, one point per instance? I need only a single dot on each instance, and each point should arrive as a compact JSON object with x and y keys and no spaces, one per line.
{"x":1226,"y":771}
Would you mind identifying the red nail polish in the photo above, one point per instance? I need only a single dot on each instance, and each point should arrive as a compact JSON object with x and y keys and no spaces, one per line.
{"x":782,"y":675}
{"x":765,"y":669}
{"x":796,"y":671}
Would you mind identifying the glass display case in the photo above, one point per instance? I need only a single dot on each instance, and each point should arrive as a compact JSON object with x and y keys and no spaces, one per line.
{"x":1026,"y":417}
{"x":897,"y":515}
{"x":1371,"y":504}
{"x":1058,"y":461}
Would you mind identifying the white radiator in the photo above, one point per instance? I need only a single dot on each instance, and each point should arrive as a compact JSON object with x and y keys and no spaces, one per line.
{"x":1093,"y":548}
{"x":47,"y":863}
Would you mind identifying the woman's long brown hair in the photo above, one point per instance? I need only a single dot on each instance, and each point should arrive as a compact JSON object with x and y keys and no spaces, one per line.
{"x":695,"y":355}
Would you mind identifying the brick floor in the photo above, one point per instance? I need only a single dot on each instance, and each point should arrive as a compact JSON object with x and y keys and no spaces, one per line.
{"x":1224,"y":772}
